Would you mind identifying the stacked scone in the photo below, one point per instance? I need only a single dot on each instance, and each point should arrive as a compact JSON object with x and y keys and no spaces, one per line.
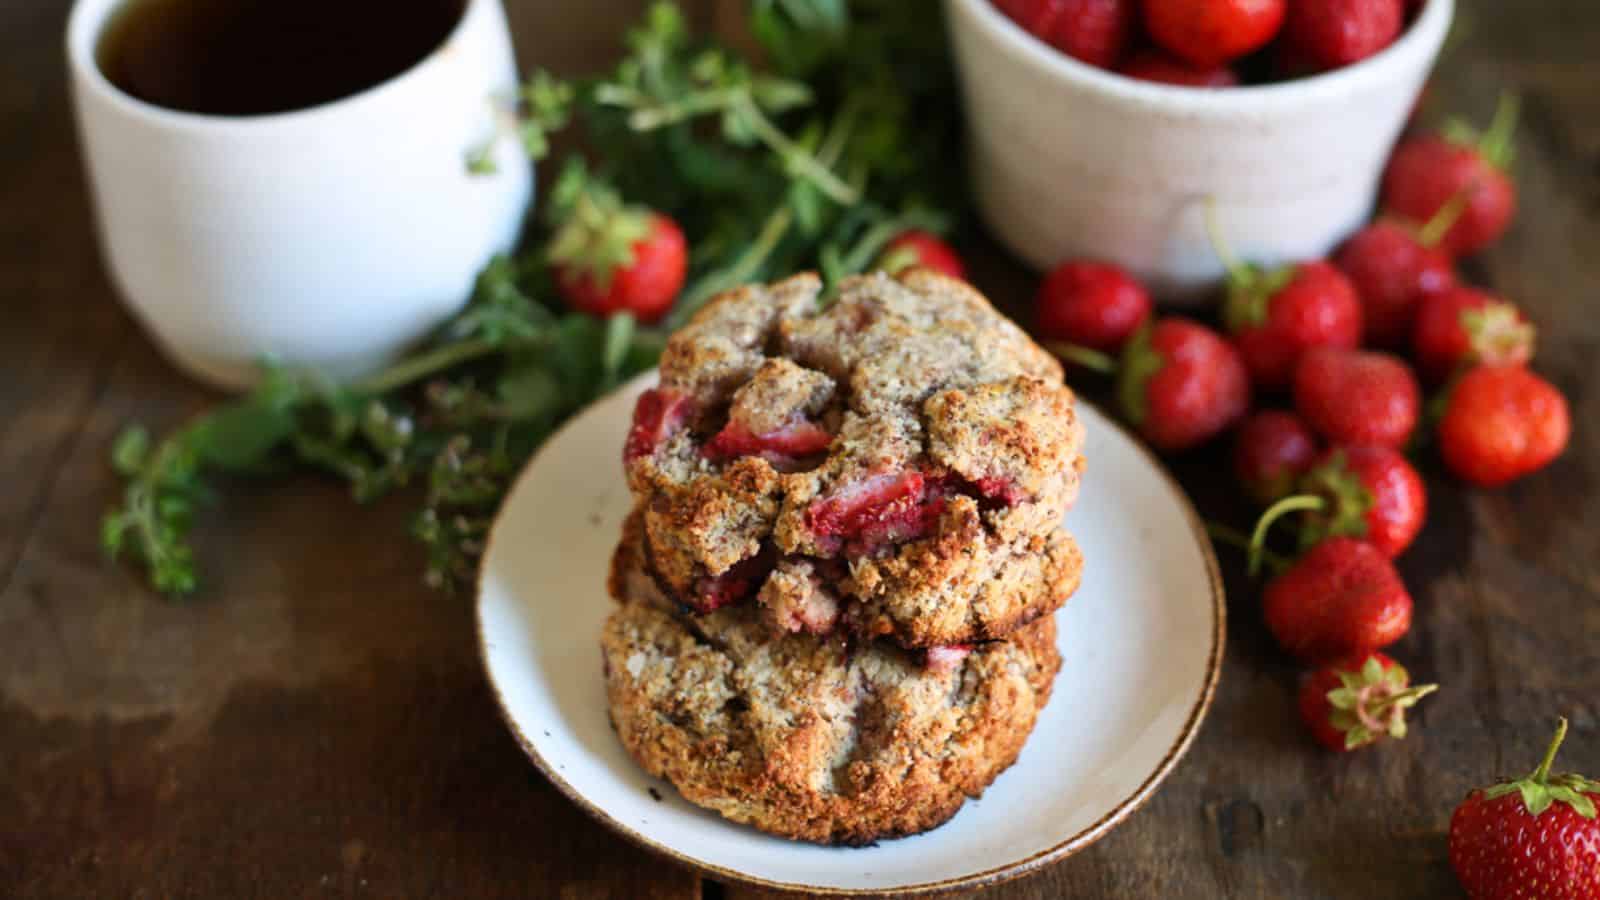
{"x":837,"y":582}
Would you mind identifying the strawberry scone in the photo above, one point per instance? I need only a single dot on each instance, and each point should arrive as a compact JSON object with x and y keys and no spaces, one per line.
{"x":817,"y":739}
{"x":896,"y":463}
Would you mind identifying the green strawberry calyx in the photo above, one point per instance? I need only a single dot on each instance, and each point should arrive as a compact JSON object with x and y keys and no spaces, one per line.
{"x":1250,"y":287}
{"x":1372,"y":703}
{"x":1541,"y":789}
{"x":1496,"y":145}
{"x":1140,"y":362}
{"x":1347,"y":501}
{"x":899,"y":259}
{"x":597,"y":233}
{"x":1498,"y":333}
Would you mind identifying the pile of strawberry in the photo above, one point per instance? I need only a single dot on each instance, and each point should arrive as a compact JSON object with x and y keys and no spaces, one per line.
{"x":1342,"y":351}
{"x":1326,"y":336}
{"x":1214,"y":43}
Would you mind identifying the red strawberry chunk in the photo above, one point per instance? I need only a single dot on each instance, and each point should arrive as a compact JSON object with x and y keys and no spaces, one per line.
{"x":872,"y":501}
{"x":994,"y":487}
{"x":736,"y":585}
{"x":657,"y":415}
{"x":881,"y":509}
{"x":799,"y":439}
{"x":947,"y":658}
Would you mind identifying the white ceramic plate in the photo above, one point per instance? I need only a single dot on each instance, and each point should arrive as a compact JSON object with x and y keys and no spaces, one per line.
{"x":1141,"y":642}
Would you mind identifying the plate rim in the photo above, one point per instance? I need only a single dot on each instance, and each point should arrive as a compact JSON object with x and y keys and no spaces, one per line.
{"x":990,"y":877}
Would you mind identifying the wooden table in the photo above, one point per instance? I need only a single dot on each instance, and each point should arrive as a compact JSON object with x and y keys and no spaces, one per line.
{"x":317,"y":724}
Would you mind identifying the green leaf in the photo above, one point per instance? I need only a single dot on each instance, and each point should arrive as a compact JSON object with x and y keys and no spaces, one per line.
{"x":738,"y":126}
{"x":806,"y":201}
{"x":529,"y":391}
{"x":113,"y":531}
{"x":1536,"y":797}
{"x":1372,"y":670}
{"x":619,"y":336}
{"x":130,"y":451}
{"x":240,"y":436}
{"x":1343,"y":698}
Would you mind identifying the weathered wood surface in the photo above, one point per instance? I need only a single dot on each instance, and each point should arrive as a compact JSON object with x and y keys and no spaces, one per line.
{"x":318,"y":725}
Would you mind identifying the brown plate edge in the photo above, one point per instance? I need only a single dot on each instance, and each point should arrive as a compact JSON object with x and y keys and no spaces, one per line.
{"x":989,"y":877}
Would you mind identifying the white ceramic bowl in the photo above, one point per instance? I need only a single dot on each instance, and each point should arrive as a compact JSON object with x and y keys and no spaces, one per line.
{"x":1074,"y":161}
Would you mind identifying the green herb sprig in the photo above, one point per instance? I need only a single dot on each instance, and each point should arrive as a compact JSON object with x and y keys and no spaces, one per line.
{"x":816,"y":161}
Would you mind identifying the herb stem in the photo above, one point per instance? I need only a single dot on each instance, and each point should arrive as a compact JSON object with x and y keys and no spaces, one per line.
{"x":715,"y":282}
{"x":796,"y":158}
{"x":416,"y":368}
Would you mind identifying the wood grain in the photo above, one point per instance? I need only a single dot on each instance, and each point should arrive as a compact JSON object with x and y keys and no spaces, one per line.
{"x":316,"y":723}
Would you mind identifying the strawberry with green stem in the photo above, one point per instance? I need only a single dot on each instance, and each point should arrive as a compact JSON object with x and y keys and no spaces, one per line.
{"x":1394,"y":266}
{"x":1179,"y":384}
{"x":1359,"y":701}
{"x":609,"y":258}
{"x":1276,"y":315}
{"x":918,"y":248}
{"x":1537,"y":836}
{"x":1271,"y":451}
{"x":1427,"y":171}
{"x":1090,"y":304}
{"x":1462,"y":327}
{"x":1371,"y":493}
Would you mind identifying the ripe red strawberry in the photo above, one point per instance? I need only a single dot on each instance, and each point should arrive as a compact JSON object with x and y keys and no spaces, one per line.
{"x":1356,"y":397}
{"x":1501,"y":423}
{"x":1329,"y":34}
{"x":1276,"y":316}
{"x":610,"y":259}
{"x":1181,"y":384}
{"x":1367,"y":492}
{"x":1164,"y":68}
{"x":1536,"y":837}
{"x":919,"y":248}
{"x":1462,"y":327}
{"x":657,"y":415}
{"x":1270,"y":453}
{"x":1392,"y":268}
{"x":1091,"y":304}
{"x":1342,"y":598}
{"x":1095,"y":31}
{"x":1210,"y":33}
{"x":1427,"y":171}
{"x":1359,"y":701}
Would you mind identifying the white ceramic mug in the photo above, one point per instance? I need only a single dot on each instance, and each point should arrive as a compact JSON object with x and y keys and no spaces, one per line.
{"x":329,"y":237}
{"x":1070,"y":161}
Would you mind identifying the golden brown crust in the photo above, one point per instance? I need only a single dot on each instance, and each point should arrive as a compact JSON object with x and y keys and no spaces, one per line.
{"x":916,"y":378}
{"x":809,"y":738}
